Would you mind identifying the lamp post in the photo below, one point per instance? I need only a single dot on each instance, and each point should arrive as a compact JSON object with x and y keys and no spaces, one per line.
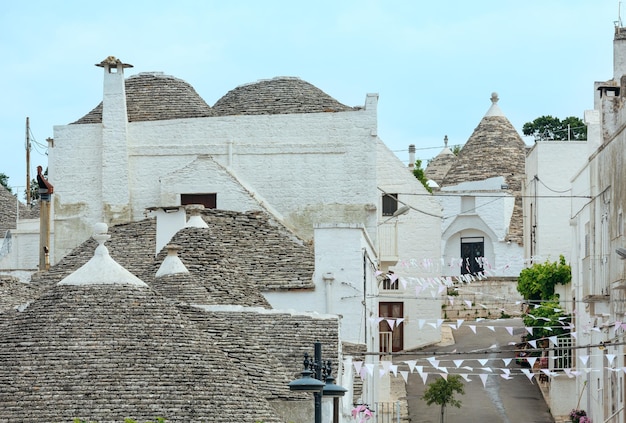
{"x":317,"y":378}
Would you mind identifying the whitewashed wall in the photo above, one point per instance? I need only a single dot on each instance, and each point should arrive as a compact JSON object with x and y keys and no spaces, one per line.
{"x":310,"y":167}
{"x":555,"y":163}
{"x":490,"y":219}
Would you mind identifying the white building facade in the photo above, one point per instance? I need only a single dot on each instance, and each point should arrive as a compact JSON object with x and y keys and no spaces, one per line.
{"x":315,"y":165}
{"x":598,"y":270}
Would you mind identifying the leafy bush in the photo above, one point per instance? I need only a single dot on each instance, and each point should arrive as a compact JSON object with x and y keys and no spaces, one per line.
{"x":537,"y":283}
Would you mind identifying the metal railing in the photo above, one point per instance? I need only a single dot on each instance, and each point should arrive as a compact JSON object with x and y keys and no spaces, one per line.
{"x":386,"y":412}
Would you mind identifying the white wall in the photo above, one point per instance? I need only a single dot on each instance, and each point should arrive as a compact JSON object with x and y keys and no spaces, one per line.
{"x":490,"y":219}
{"x":547,"y":202}
{"x":24,"y":253}
{"x":311,"y":168}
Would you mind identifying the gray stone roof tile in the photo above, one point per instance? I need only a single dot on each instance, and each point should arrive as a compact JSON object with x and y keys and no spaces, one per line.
{"x":9,"y":211}
{"x":106,"y":352}
{"x":154,"y":96}
{"x":280,"y":95}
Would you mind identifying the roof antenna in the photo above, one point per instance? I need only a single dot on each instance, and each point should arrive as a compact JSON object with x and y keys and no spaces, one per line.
{"x":618,"y":22}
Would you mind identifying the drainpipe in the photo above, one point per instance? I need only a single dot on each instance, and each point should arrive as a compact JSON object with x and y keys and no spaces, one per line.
{"x":328,"y":279}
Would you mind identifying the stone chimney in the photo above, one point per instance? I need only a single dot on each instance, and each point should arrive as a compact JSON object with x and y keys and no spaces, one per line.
{"x":411,"y":156}
{"x":619,"y":53}
{"x":115,"y":172}
{"x":169,"y":220}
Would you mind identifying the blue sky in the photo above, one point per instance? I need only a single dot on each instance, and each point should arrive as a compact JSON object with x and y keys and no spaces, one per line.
{"x":434,"y":64}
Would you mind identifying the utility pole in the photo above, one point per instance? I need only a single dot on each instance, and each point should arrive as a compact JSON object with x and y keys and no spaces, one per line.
{"x":27,"y":161}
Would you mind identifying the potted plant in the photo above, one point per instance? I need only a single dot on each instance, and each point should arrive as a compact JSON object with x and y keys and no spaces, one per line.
{"x":579,"y":416}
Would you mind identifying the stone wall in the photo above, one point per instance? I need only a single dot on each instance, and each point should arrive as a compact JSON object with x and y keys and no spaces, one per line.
{"x":490,"y":298}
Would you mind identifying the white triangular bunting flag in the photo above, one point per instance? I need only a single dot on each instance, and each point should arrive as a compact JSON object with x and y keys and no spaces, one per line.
{"x":458,"y":363}
{"x":483,"y":361}
{"x":424,"y":377}
{"x":357,"y":366}
{"x":533,"y":343}
{"x":491,"y":328}
{"x":405,"y":375}
{"x":610,"y":358}
{"x":531,"y":361}
{"x":483,"y":377}
{"x":529,"y":329}
{"x":507,"y":361}
{"x":381,"y":373}
{"x":386,"y":365}
{"x":394,"y":369}
{"x":466,"y":377}
{"x":459,"y":322}
{"x":584,"y":359}
{"x":399,"y":320}
{"x":554,"y":341}
{"x":411,"y":364}
{"x":473,"y":328}
{"x":391,"y":323}
{"x":509,"y":329}
{"x":528,"y":374}
{"x":468,"y":303}
{"x":370,"y":368}
{"x":444,"y":375}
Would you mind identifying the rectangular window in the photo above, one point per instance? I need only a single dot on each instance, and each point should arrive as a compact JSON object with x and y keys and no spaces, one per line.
{"x":390,"y":204}
{"x":390,"y":281}
{"x":209,"y":201}
{"x":563,"y":353}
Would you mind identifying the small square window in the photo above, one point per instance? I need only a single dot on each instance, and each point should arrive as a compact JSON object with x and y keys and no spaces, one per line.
{"x":209,"y":201}
{"x":390,"y":204}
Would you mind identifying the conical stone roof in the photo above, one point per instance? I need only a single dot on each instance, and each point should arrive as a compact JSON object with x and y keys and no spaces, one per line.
{"x":154,"y":96}
{"x":9,"y":211}
{"x":280,"y":95}
{"x":113,"y":349}
{"x":494,"y":149}
{"x":441,"y":164}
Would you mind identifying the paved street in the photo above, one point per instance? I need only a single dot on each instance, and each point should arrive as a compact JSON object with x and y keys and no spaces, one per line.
{"x":499,"y":400}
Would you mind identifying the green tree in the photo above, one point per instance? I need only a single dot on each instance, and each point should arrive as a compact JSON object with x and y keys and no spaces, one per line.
{"x":547,"y":319}
{"x":442,"y":391}
{"x":419,"y":174}
{"x":552,"y":128}
{"x":537,"y":283}
{"x":4,"y":181}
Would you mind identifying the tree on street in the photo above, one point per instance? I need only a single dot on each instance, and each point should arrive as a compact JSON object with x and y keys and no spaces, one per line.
{"x":442,"y":391}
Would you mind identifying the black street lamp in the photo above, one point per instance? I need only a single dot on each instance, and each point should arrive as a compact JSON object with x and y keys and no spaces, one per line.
{"x":315,"y":372}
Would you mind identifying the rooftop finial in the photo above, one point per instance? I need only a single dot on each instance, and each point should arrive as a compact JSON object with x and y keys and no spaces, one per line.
{"x":494,"y":98}
{"x":445,"y":141}
{"x":101,"y":269}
